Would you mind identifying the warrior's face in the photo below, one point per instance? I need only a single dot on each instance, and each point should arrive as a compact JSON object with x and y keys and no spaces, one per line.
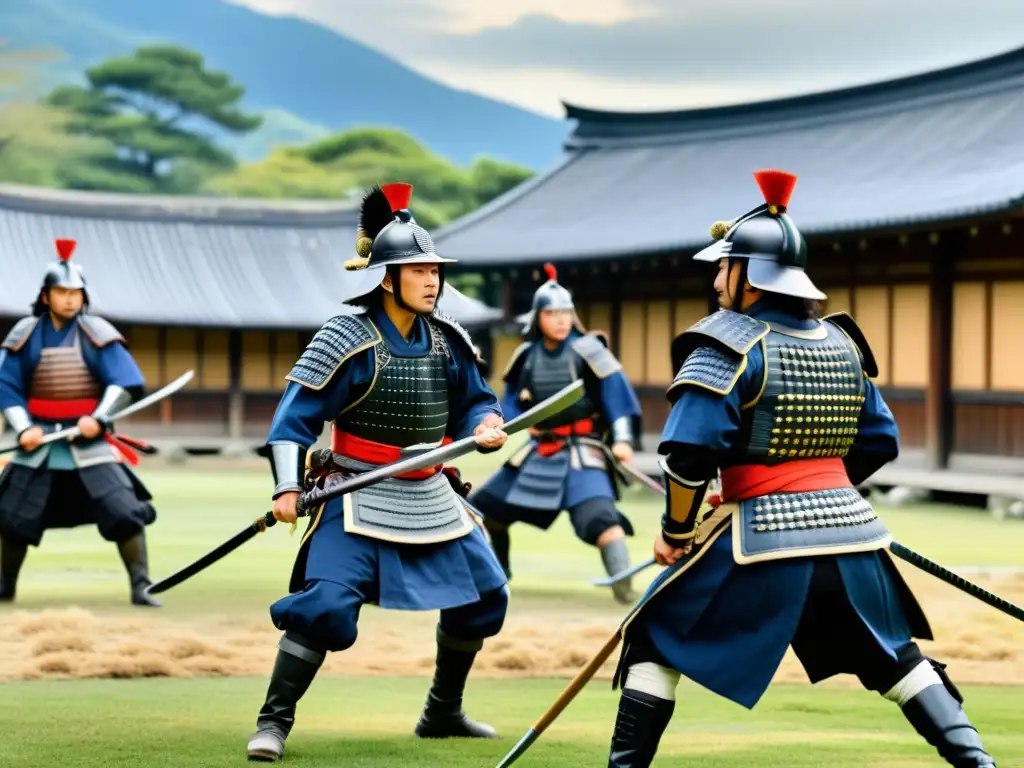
{"x":555,"y":324}
{"x":728,"y":286}
{"x":64,"y":303}
{"x":420,"y":286}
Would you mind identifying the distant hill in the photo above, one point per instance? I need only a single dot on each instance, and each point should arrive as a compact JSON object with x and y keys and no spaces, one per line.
{"x":309,"y":80}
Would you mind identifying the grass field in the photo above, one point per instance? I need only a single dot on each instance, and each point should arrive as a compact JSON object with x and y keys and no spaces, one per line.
{"x":92,"y":681}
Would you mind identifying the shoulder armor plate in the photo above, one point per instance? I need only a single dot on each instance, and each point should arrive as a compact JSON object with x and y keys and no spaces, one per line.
{"x":711,"y":368}
{"x":338,"y":339}
{"x":847,"y":325}
{"x":453,"y":325}
{"x":99,"y":331}
{"x":516,"y":361}
{"x":19,"y":334}
{"x":731,"y":331}
{"x":595,"y":351}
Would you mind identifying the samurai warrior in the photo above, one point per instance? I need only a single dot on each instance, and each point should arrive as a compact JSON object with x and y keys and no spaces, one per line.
{"x":64,"y":366}
{"x":571,"y":461}
{"x":397,"y":374}
{"x":782,"y":404}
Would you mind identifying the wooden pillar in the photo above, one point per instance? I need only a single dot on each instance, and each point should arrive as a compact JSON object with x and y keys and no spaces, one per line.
{"x":236,"y":397}
{"x":938,"y":407}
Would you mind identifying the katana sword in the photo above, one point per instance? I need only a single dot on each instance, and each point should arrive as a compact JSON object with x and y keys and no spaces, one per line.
{"x":650,"y":482}
{"x":956,"y":580}
{"x":70,"y":433}
{"x":313,"y":499}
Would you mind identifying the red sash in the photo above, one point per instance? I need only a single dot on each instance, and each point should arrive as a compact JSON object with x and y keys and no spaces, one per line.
{"x":371,"y":452}
{"x":748,"y":481}
{"x":73,"y":410}
{"x":551,"y":447}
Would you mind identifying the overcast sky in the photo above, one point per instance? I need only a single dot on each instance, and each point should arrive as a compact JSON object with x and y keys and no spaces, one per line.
{"x":665,"y":54}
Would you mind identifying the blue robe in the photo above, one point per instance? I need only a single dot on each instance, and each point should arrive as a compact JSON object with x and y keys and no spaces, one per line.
{"x":727,"y":626}
{"x":111,"y":365}
{"x":336,"y":571}
{"x":616,"y":399}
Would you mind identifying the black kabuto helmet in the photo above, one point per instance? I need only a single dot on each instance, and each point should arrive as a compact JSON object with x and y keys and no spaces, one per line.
{"x":767,"y":238}
{"x":61,"y":274}
{"x":388,"y":236}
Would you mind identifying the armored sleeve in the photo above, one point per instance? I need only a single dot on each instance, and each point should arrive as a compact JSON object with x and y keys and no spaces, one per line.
{"x":19,"y":334}
{"x":595,"y":353}
{"x":338,"y":339}
{"x":99,"y":331}
{"x":712,"y":354}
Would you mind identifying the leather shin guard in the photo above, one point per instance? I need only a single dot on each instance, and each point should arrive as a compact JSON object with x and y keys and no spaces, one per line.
{"x":639,"y":725}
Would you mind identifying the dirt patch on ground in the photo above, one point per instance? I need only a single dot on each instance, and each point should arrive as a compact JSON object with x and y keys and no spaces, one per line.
{"x":979,"y":644}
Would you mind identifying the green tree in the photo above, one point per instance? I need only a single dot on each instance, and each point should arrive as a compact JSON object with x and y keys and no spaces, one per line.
{"x":150,"y":108}
{"x":491,"y":178}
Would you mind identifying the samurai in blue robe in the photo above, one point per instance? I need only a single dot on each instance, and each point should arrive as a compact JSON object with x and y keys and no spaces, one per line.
{"x":410,"y":543}
{"x":573,"y":459}
{"x":60,"y":365}
{"x":782,"y":406}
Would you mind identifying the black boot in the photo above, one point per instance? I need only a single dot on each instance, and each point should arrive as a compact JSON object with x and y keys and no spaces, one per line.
{"x":443,"y":716}
{"x":11,"y":557}
{"x":133,"y":554}
{"x":615,"y":557}
{"x":500,"y":544}
{"x":294,"y":670}
{"x":939,"y":718}
{"x":641,"y":721}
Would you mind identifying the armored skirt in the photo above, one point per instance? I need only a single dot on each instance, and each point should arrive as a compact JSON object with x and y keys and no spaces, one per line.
{"x":533,"y":488}
{"x":337,"y":571}
{"x":57,"y":494}
{"x":727,"y":626}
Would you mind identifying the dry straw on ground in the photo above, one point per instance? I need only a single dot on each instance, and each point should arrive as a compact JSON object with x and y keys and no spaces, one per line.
{"x":979,"y":644}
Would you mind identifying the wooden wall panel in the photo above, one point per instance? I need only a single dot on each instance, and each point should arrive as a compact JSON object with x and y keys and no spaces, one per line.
{"x":145,"y":348}
{"x":909,"y":417}
{"x":688,"y":312}
{"x":989,"y":429}
{"x":839,"y":300}
{"x":181,"y":353}
{"x":632,"y":341}
{"x":910,"y":336}
{"x":969,"y":353}
{"x":216,"y":360}
{"x":658,"y":342}
{"x":872,"y":304}
{"x":1007,"y":324}
{"x":256,"y":361}
{"x":599,"y":318}
{"x":286,"y":352}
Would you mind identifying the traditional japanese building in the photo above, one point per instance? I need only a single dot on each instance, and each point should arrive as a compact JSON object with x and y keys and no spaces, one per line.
{"x":910,"y":194}
{"x":232,"y":289}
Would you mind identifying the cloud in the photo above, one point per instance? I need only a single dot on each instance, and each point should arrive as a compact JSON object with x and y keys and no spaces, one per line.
{"x":746,"y":41}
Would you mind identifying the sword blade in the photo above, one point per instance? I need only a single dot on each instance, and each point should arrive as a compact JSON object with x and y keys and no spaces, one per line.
{"x":650,"y":482}
{"x":544,"y":409}
{"x":257,"y":526}
{"x":956,"y":580}
{"x":72,"y":432}
{"x":313,"y":499}
{"x":609,"y":581}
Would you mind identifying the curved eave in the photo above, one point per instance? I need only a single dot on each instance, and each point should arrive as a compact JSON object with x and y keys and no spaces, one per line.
{"x":685,"y":246}
{"x":177,"y":209}
{"x":598,"y":126}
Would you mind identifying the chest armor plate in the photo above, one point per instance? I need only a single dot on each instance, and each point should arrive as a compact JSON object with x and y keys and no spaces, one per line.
{"x":407,"y":402}
{"x":544,"y":375}
{"x":810,"y":402}
{"x":62,"y":373}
